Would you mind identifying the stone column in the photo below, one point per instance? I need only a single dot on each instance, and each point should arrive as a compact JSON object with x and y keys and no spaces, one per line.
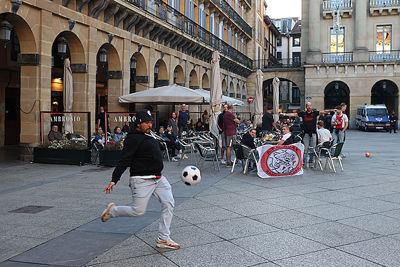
{"x":360,"y":41}
{"x":91,"y":76}
{"x":314,"y":32}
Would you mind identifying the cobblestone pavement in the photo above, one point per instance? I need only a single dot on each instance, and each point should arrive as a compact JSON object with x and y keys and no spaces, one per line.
{"x":349,"y":218}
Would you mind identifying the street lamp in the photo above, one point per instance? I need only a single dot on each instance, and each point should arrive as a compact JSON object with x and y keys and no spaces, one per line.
{"x":62,"y":46}
{"x":156,"y":69}
{"x":336,"y":86}
{"x":133,"y":63}
{"x":384,"y":85}
{"x":5,"y":31}
{"x":103,"y":55}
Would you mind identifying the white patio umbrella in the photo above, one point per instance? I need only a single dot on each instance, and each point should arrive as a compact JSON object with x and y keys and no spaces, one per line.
{"x":215,"y":94}
{"x":68,"y":95}
{"x":259,"y":97}
{"x":275,"y":85}
{"x":225,"y":99}
{"x":165,"y":94}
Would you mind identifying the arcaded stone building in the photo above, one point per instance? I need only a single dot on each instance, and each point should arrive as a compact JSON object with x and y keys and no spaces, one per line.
{"x":351,"y":52}
{"x":117,"y":47}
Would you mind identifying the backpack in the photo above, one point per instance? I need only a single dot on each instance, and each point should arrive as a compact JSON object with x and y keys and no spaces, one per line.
{"x":221,"y":122}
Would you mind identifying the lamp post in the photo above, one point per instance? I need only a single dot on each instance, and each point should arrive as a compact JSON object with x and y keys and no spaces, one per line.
{"x":5,"y":30}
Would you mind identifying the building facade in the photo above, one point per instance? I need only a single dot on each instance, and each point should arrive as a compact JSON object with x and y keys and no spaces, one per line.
{"x":289,"y":53}
{"x":351,"y":53}
{"x":117,"y":47}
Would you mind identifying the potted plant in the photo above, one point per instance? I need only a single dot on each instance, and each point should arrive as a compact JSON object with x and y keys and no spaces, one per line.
{"x":111,"y":153}
{"x":62,"y":152}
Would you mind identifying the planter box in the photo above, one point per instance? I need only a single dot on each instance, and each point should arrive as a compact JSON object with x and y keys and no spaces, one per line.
{"x":61,"y":156}
{"x":109,"y":157}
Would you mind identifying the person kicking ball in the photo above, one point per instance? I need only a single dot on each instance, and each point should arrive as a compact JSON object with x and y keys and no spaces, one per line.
{"x":142,"y":154}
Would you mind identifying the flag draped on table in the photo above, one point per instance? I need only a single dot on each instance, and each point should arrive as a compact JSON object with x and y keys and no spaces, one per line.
{"x":280,"y":160}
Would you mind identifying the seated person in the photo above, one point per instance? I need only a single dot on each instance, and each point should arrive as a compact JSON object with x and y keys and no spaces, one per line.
{"x":99,"y":137}
{"x":54,"y":134}
{"x":199,"y":126}
{"x":242,"y":125}
{"x":248,"y":138}
{"x":324,"y":135}
{"x":287,"y":138}
{"x":118,"y":134}
{"x":173,"y":144}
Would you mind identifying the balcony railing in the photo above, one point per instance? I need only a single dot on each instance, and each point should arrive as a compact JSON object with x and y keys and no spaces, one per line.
{"x":380,"y":56}
{"x":384,"y":3}
{"x":183,"y":23}
{"x":232,"y":14}
{"x":331,"y":5}
{"x":331,"y":58}
{"x":277,"y":63}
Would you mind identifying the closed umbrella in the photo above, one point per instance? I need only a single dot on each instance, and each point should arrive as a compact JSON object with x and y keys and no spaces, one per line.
{"x":275,"y":85}
{"x":215,"y":94}
{"x":259,"y":97}
{"x":68,"y":97}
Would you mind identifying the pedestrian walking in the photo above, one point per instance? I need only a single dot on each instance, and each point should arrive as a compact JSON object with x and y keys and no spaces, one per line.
{"x":393,"y":122}
{"x":142,"y":154}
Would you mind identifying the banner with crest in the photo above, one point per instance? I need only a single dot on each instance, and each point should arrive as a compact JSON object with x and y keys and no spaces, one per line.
{"x":280,"y":160}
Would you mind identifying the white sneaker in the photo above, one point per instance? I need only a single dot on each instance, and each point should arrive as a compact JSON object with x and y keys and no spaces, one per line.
{"x":106,"y":213}
{"x":223,"y":161}
{"x":174,"y":160}
{"x":167,"y":244}
{"x":185,"y":157}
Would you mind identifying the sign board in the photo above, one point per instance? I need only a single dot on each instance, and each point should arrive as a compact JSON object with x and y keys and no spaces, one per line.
{"x":250,"y":99}
{"x":280,"y":160}
{"x":308,"y":97}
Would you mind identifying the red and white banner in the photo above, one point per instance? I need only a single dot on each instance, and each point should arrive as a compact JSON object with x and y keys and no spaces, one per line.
{"x":280,"y":160}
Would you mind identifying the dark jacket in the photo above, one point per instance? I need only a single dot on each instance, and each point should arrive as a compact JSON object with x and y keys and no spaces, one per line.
{"x":142,"y":154}
{"x":248,"y":140}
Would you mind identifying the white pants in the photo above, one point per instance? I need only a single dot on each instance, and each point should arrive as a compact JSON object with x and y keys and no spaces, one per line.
{"x":142,"y":189}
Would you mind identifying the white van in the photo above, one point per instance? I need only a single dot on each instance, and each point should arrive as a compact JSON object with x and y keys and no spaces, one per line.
{"x":372,"y":117}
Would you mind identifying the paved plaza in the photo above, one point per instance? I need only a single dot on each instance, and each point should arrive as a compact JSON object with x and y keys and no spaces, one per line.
{"x":50,"y":215}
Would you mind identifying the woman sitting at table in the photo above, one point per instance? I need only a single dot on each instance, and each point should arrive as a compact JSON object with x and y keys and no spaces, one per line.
{"x":118,"y":134}
{"x":287,"y":138}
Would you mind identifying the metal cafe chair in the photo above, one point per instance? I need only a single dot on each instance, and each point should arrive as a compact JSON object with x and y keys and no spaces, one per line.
{"x":206,"y":153}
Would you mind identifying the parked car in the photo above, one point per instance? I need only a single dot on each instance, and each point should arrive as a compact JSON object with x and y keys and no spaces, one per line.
{"x":372,"y":117}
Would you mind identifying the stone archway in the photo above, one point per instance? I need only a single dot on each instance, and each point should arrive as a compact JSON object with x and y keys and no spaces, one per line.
{"x":160,"y":74}
{"x":386,"y":92}
{"x":293,"y":75}
{"x":193,"y":80}
{"x":224,"y":87}
{"x":108,"y":79}
{"x":179,"y":76}
{"x":75,"y":52}
{"x":335,"y":93}
{"x":289,"y":94}
{"x":232,"y":90}
{"x":205,"y":82}
{"x":139,"y":77}
{"x":19,"y":91}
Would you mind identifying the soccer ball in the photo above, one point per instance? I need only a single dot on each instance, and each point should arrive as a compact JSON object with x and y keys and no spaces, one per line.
{"x":191,"y":175}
